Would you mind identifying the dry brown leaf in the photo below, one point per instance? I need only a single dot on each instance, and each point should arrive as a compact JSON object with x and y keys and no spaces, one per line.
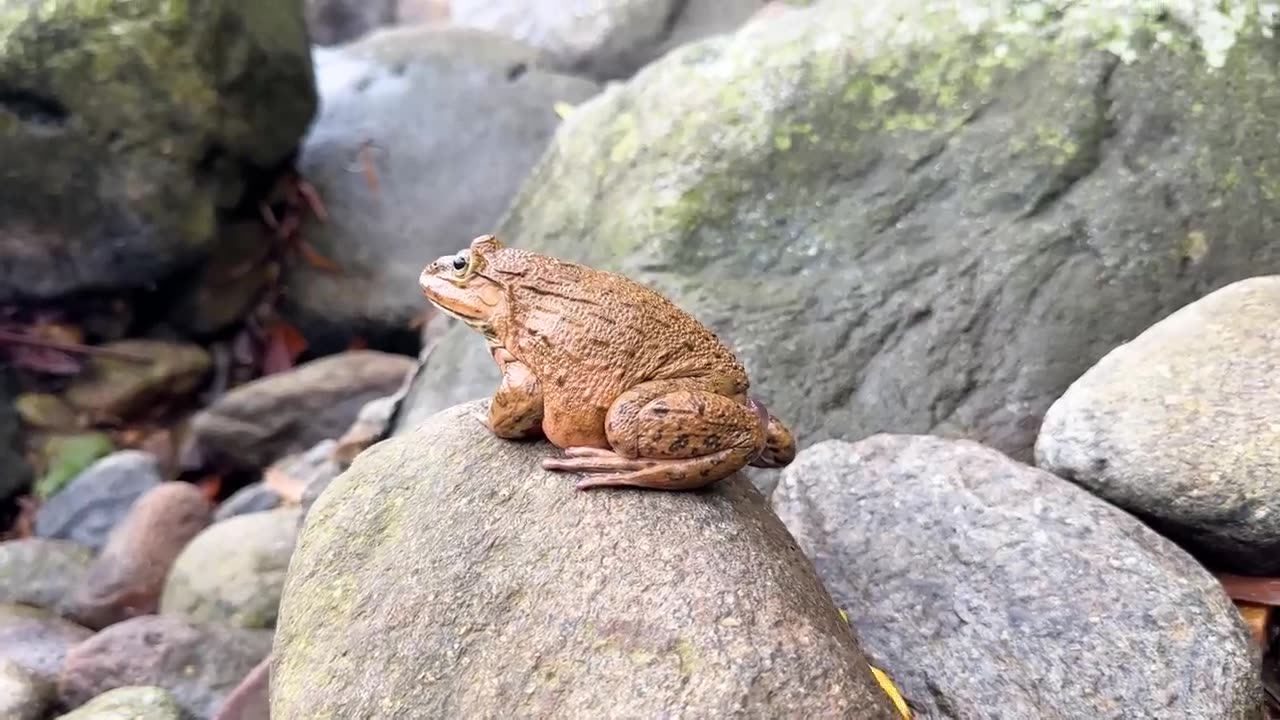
{"x":1260,"y":590}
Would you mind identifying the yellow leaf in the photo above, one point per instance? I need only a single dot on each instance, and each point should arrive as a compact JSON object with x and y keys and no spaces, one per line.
{"x":844,"y":616}
{"x":562,"y":109}
{"x":891,"y":690}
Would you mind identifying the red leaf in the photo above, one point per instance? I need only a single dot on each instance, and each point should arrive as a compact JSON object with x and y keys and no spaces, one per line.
{"x":284,"y":344}
{"x":211,"y":486}
{"x":1261,"y":590}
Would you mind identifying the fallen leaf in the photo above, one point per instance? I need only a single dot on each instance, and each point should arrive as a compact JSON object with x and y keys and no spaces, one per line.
{"x":63,"y":457}
{"x":313,"y":258}
{"x":891,"y":690}
{"x":1260,"y":590}
{"x":284,"y":343}
{"x":1258,"y":618}
{"x":287,"y":486}
{"x":358,"y":343}
{"x":211,"y":486}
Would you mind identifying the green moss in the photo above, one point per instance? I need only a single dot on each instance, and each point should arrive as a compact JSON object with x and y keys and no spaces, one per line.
{"x":66,"y":456}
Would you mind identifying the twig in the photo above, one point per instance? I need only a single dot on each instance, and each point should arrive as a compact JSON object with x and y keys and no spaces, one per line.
{"x":77,"y":348}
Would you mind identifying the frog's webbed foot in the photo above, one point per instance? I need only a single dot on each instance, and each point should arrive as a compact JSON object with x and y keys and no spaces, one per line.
{"x":605,"y":468}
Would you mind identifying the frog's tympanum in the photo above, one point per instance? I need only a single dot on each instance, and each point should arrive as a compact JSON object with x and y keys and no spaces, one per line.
{"x":632,"y":388}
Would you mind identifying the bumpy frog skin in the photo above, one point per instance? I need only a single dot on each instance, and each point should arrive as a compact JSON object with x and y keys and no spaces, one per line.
{"x":633,"y":389}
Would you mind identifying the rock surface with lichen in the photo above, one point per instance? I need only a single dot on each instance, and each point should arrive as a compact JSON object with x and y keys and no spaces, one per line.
{"x":987,"y":588}
{"x":1181,"y":426}
{"x":926,"y":218}
{"x":126,"y":125}
{"x":516,"y":595}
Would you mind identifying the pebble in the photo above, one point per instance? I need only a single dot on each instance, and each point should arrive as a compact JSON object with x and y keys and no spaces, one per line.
{"x":41,"y":572}
{"x":127,"y":577}
{"x":93,"y":503}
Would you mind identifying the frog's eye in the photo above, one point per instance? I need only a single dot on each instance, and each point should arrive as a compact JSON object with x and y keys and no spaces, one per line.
{"x":460,"y":262}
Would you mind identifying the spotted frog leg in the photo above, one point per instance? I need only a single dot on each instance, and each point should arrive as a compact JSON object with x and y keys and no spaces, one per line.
{"x":669,"y":435}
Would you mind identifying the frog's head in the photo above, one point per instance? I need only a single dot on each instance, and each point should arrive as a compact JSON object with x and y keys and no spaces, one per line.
{"x":462,"y":286}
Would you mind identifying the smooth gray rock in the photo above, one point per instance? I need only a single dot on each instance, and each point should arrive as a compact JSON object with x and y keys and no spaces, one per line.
{"x":518,"y":595}
{"x":988,"y":588}
{"x":424,"y":136}
{"x":40,"y":571}
{"x":252,"y":498}
{"x":126,"y":125}
{"x":605,"y":39}
{"x":233,"y":571}
{"x":98,"y":498}
{"x":197,"y":663}
{"x":260,"y":422}
{"x":1181,"y":426}
{"x":37,"y":639}
{"x":903,"y":224}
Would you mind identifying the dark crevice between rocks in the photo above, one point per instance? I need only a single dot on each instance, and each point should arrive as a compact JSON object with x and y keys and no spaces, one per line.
{"x":515,"y":72}
{"x":1101,"y":128}
{"x":35,"y":109}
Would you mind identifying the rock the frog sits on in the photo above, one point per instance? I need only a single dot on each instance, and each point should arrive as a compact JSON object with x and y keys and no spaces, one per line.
{"x":633,"y":389}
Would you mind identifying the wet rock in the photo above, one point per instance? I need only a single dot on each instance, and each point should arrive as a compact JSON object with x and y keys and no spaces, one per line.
{"x":977,"y":582}
{"x":198,"y":663}
{"x":15,"y":472}
{"x":41,"y":572}
{"x":261,"y":421}
{"x":129,"y":703}
{"x":332,"y":22}
{"x":625,"y":603}
{"x":234,"y":570}
{"x":127,"y":577}
{"x":64,"y":457}
{"x":126,"y":126}
{"x":424,"y":137}
{"x":23,"y":695}
{"x":98,"y":498}
{"x":937,"y":233}
{"x":119,"y":388}
{"x":252,"y":498}
{"x":1181,"y":426}
{"x":37,"y":639}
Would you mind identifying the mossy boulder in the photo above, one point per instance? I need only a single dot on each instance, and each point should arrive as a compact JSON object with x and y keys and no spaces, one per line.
{"x":446,"y":574}
{"x":126,"y":124}
{"x":930,"y":220}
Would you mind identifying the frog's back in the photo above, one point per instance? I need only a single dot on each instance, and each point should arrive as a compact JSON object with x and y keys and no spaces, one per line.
{"x":576,"y":324}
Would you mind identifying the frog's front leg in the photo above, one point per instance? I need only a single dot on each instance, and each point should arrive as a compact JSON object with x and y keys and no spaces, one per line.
{"x":670,"y":435}
{"x":516,"y":409}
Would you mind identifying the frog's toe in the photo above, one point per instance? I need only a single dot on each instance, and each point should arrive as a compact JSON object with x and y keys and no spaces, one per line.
{"x":584,"y":451}
{"x":601,"y":463}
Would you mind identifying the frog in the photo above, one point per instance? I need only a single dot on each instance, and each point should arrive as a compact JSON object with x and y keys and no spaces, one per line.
{"x":631,"y":388}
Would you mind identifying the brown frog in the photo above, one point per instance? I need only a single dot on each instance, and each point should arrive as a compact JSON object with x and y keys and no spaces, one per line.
{"x":633,"y":389}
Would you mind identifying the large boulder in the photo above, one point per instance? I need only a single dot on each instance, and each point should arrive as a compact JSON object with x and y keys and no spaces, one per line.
{"x":125,"y":125}
{"x":517,"y":595}
{"x":930,"y":220}
{"x":424,"y":136}
{"x":1181,"y":426}
{"x":988,"y":588}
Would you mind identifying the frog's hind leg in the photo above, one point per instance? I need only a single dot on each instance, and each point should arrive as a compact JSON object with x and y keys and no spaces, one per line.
{"x":668,"y":435}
